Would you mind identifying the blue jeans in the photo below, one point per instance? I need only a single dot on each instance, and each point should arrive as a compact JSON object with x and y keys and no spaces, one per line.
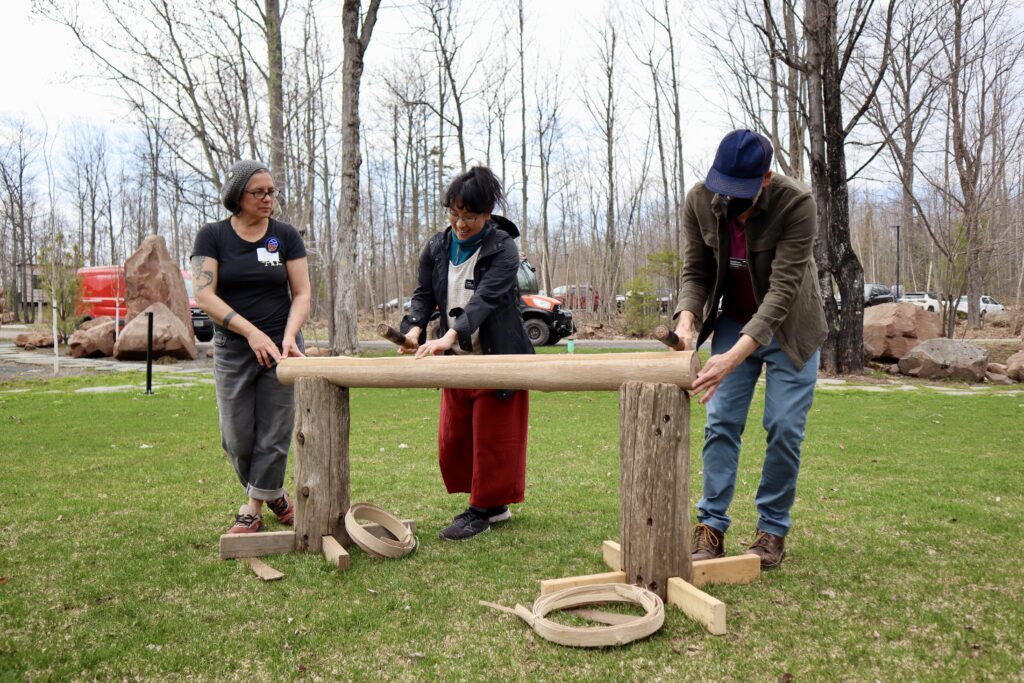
{"x":787,"y":400}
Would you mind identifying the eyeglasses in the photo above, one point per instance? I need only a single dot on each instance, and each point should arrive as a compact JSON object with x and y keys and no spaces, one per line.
{"x":261,"y":193}
{"x":466,"y":218}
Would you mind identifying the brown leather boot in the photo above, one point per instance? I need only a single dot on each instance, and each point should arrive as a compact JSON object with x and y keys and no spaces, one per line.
{"x":708,"y":543}
{"x":769,"y":547}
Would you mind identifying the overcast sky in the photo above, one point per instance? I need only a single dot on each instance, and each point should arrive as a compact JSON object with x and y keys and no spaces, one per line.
{"x":42,"y":77}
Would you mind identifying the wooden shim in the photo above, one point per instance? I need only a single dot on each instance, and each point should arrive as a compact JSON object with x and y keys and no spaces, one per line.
{"x":654,"y":458}
{"x":552,"y":585}
{"x":698,"y":605}
{"x":321,"y":463}
{"x":734,"y":569}
{"x":335,"y":553}
{"x":547,"y":372}
{"x":262,"y":569}
{"x":612,"y":554}
{"x":256,"y":545}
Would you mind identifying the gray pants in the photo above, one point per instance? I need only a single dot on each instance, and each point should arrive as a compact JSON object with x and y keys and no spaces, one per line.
{"x":256,"y":416}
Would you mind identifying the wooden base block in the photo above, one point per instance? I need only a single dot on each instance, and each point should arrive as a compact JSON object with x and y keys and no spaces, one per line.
{"x":612,"y":553}
{"x":734,"y":569}
{"x":334,"y":552}
{"x":698,"y":605}
{"x":256,"y":545}
{"x":262,"y":569}
{"x":552,"y":585}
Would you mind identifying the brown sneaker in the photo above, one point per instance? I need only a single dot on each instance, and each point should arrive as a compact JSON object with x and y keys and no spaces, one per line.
{"x":283,"y":508}
{"x":246,"y":523}
{"x":769,"y":547}
{"x":708,"y":543}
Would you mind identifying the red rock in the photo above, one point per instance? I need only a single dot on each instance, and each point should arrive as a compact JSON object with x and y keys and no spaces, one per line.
{"x":150,"y":276}
{"x":94,"y":341}
{"x":33,"y":339}
{"x":891,"y":330}
{"x":170,"y":336}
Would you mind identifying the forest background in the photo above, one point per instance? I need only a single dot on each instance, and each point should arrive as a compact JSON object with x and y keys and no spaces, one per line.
{"x":905,"y":117}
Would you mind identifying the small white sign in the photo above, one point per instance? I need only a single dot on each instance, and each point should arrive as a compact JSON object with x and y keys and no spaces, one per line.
{"x":267,"y":258}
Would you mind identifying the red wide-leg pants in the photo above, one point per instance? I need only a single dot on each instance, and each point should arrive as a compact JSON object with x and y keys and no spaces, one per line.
{"x":481,"y":444}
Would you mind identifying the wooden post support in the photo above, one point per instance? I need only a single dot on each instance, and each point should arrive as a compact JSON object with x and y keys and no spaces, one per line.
{"x":334,"y":553}
{"x":654,"y":456}
{"x":321,"y":463}
{"x":698,"y":605}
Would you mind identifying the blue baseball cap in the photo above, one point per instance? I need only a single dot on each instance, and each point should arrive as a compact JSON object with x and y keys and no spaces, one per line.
{"x":742,"y":160}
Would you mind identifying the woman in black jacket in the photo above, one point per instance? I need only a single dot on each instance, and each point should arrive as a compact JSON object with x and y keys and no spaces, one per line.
{"x":468,"y":273}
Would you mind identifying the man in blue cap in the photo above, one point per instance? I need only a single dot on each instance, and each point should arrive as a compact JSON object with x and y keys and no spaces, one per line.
{"x":749,"y":279}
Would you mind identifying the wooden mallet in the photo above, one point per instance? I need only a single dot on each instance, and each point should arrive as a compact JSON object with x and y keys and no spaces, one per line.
{"x":666,"y":337}
{"x":394,"y":336}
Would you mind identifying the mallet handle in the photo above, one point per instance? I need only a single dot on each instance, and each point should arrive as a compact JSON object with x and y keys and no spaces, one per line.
{"x":666,"y":337}
{"x":394,"y":336}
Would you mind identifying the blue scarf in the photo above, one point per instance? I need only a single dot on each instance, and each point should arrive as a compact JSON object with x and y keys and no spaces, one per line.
{"x":461,"y":251}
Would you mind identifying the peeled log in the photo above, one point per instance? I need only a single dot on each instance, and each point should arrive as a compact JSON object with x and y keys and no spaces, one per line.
{"x":569,"y":372}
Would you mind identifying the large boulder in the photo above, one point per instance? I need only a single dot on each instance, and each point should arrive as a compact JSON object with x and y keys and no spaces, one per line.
{"x":891,"y":330}
{"x":1015,"y":366}
{"x":95,"y":322}
{"x":94,"y":341}
{"x":150,"y":276}
{"x":170,"y":336}
{"x":945,"y":358}
{"x":33,"y":340}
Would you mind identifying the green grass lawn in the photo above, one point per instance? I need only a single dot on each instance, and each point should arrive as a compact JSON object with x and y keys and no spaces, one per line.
{"x":904,"y":561}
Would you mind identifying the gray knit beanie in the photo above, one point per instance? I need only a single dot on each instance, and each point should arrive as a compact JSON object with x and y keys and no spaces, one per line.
{"x":236,"y":180}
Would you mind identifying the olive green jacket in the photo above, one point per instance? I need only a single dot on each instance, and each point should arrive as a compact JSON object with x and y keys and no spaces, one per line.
{"x":780,"y":256}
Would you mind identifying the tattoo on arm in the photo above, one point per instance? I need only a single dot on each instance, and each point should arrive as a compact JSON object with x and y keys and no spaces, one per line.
{"x":227,"y":319}
{"x":201,"y":279}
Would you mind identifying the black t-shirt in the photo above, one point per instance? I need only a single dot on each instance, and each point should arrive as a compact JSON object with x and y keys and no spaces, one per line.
{"x":251,"y":276}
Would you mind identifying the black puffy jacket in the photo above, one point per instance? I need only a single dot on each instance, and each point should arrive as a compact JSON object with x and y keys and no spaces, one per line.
{"x":494,"y":306}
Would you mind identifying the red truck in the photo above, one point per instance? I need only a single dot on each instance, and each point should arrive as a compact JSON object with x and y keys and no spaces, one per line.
{"x":102,"y":294}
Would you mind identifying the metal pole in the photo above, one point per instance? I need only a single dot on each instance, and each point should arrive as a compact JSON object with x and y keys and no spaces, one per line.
{"x":149,"y":353}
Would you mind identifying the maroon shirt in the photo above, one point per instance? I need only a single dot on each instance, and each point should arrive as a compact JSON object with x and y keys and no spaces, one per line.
{"x":739,"y":302}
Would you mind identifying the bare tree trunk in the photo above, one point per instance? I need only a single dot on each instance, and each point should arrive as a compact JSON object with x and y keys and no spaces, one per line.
{"x":356,"y":40}
{"x":275,"y":95}
{"x":524,"y":217}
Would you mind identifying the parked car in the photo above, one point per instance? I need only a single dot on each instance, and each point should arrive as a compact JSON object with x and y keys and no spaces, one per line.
{"x":922,"y":299}
{"x":102,"y":294}
{"x":579,"y":297}
{"x":664,"y":298}
{"x":877,"y":294}
{"x":546,"y":318}
{"x":393,"y":305}
{"x":988,"y":305}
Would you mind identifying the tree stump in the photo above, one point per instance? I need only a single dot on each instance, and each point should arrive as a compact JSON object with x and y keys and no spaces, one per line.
{"x":654,"y":455}
{"x":321,"y":463}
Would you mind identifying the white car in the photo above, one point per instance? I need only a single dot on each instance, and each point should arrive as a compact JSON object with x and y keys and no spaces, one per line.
{"x":922,"y":299}
{"x":988,"y":305}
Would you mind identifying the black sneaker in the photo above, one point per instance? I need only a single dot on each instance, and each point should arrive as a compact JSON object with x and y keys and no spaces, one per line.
{"x":468,"y":524}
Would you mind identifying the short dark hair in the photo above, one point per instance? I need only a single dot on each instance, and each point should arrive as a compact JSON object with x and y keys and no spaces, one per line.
{"x":478,"y":189}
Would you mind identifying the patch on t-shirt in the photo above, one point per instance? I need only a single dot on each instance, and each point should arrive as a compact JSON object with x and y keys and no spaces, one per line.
{"x":737,"y":263}
{"x":268,"y":258}
{"x":273,"y":245}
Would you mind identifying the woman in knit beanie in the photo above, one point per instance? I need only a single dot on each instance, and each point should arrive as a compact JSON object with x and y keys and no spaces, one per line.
{"x":469,"y":272}
{"x":251,"y":276}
